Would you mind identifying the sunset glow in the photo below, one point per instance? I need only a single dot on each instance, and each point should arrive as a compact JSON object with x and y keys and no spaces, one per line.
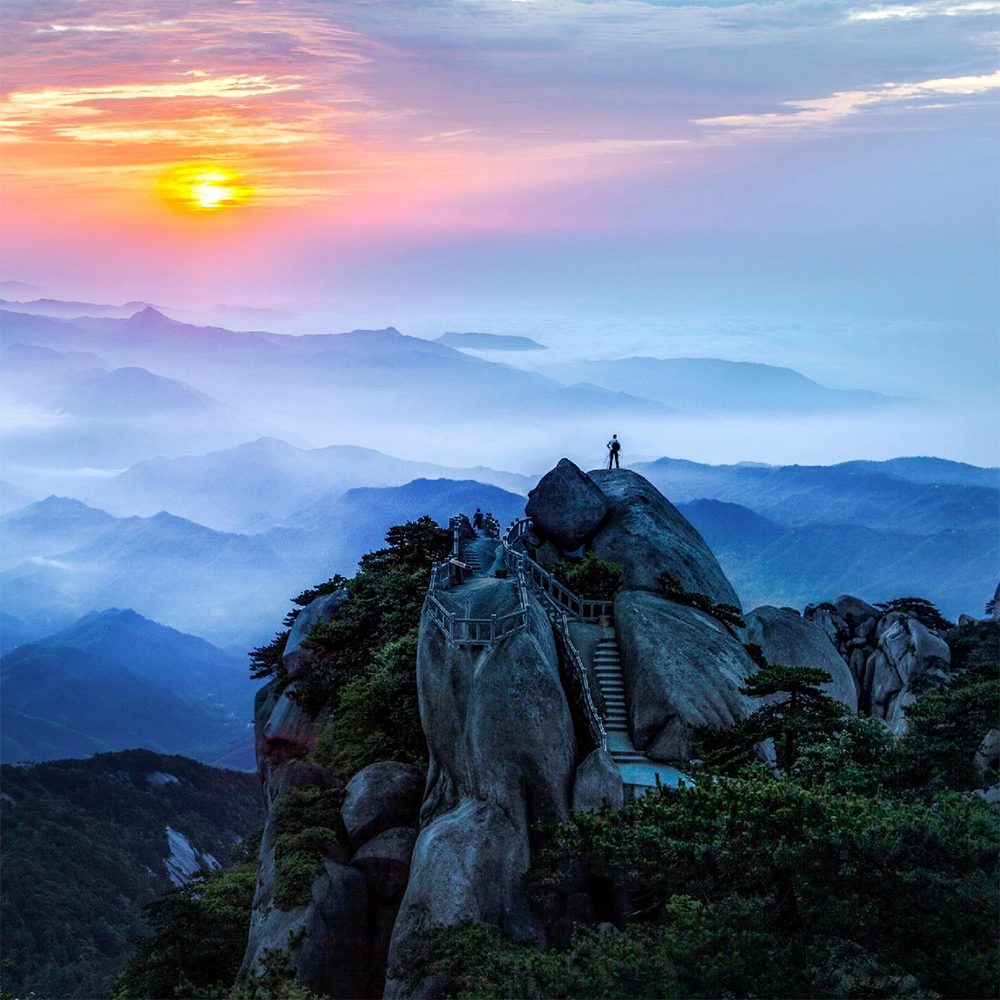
{"x":203,"y":187}
{"x":741,"y":174}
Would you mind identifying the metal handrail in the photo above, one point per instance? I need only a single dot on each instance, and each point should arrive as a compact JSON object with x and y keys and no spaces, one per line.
{"x":560,"y":619}
{"x":584,"y":609}
{"x":461,"y":631}
{"x":556,"y":597}
{"x":597,"y":730}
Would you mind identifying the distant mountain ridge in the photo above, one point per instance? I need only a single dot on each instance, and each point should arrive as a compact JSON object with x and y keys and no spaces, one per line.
{"x":489,"y":342}
{"x":220,"y":585}
{"x":115,"y":680}
{"x":862,"y":494}
{"x":368,"y":511}
{"x":260,"y":483}
{"x":713,"y":385}
{"x":417,"y":370}
{"x":789,"y":535}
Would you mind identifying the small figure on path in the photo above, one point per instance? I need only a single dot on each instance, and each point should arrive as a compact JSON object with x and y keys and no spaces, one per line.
{"x":477,"y":519}
{"x":614,"y":447}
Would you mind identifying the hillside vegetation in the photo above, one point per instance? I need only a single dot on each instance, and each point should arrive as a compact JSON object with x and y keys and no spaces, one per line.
{"x":85,"y":844}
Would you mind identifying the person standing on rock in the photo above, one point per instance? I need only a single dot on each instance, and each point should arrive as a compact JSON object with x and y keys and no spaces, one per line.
{"x":477,"y":519}
{"x":614,"y":447}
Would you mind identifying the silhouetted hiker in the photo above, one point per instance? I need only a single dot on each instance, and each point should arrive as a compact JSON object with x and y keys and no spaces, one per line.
{"x":614,"y":447}
{"x":477,"y":519}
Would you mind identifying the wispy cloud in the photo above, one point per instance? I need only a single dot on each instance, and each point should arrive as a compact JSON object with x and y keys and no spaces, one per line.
{"x":930,"y":8}
{"x":199,"y":85}
{"x":822,"y":112}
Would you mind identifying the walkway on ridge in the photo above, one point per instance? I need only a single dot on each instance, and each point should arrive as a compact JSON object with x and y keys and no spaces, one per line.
{"x":600,"y":656}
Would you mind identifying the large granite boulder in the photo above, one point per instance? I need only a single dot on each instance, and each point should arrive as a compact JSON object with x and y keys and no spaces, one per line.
{"x":322,"y":609}
{"x":682,"y":669}
{"x":647,"y":536}
{"x":380,"y":796}
{"x":385,"y":863}
{"x":325,"y":939}
{"x":502,"y":759}
{"x":282,"y":728}
{"x":853,"y":609}
{"x":566,"y":506}
{"x":787,"y":639}
{"x":908,"y":658}
{"x":598,"y":782}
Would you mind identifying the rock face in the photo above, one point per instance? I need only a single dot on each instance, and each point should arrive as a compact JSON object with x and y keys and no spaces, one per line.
{"x":383,"y":795}
{"x":598,"y":782}
{"x":322,"y":609}
{"x":682,"y":669}
{"x":385,"y":864}
{"x":331,"y":954}
{"x":282,"y":728}
{"x":891,"y":656}
{"x":502,"y":758}
{"x":566,"y":507}
{"x":786,"y":638}
{"x":338,"y":940}
{"x":646,"y":535}
{"x":908,"y":657}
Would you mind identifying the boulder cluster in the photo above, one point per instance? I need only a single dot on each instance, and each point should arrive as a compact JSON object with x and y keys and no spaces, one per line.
{"x":337,"y":937}
{"x":892,"y":656}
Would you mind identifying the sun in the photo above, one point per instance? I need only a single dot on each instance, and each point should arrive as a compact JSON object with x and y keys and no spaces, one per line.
{"x":203,"y":187}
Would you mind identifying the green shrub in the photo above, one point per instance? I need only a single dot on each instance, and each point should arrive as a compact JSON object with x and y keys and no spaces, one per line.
{"x":728,"y":614}
{"x":758,"y":887}
{"x":589,"y":577}
{"x":197,"y":937}
{"x":307,"y":824}
{"x":917,"y":607}
{"x":378,"y":715}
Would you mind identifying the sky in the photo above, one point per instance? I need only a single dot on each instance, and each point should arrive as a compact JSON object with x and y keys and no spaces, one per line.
{"x":812,"y":183}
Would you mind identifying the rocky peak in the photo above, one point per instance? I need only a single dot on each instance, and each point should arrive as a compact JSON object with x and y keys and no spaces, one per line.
{"x":890,"y":656}
{"x":511,"y":737}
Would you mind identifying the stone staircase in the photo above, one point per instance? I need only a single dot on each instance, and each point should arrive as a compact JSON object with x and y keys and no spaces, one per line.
{"x":472,"y":558}
{"x":608,"y":668}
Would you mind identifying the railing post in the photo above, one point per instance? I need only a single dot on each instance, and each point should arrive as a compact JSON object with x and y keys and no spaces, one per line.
{"x":493,"y":629}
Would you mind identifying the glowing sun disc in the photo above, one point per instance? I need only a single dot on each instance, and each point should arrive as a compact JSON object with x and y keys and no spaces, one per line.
{"x":203,"y":187}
